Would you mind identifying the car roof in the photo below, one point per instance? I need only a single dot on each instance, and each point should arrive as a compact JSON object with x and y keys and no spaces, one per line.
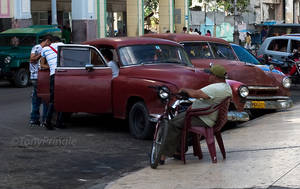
{"x":117,"y":42}
{"x":32,"y":30}
{"x":292,"y":34}
{"x":186,"y":38}
{"x":284,"y":37}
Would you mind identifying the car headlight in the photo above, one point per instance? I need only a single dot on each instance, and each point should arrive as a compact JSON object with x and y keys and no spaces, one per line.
{"x":243,"y":91}
{"x":164,"y":93}
{"x":7,"y":60}
{"x":286,"y":82}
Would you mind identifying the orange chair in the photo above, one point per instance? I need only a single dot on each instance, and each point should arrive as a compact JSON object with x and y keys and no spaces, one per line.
{"x":207,"y":132}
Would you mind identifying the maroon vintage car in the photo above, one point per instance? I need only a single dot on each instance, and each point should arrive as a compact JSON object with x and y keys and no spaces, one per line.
{"x":267,"y":90}
{"x":83,"y":81}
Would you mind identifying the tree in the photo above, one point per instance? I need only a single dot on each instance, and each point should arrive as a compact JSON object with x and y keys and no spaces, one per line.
{"x":229,"y":5}
{"x":150,"y":6}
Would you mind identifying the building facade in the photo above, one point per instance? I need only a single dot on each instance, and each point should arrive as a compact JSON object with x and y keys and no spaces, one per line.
{"x":90,"y":19}
{"x":280,"y":11}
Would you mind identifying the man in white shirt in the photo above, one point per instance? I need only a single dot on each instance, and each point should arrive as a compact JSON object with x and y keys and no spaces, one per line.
{"x":49,"y":61}
{"x":34,"y":69}
{"x":108,"y":55}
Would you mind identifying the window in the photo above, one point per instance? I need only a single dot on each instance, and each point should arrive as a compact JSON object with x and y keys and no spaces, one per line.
{"x":96,"y":59}
{"x":153,"y":54}
{"x":244,"y":55}
{"x":79,"y":57}
{"x":16,"y":41}
{"x":222,"y":51}
{"x":295,"y":45}
{"x":74,"y":57}
{"x":198,"y":50}
{"x":278,"y":45}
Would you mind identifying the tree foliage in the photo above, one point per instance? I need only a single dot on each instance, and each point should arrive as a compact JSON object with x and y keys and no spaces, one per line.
{"x":227,"y":5}
{"x":150,"y":6}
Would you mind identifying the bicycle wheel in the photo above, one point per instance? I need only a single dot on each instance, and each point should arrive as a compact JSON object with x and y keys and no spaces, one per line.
{"x":159,"y":139}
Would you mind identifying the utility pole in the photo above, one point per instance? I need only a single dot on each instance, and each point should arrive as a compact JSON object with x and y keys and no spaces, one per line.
{"x":236,"y":32}
{"x":54,"y":12}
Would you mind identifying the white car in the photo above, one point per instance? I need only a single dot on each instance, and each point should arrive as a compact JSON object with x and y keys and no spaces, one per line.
{"x":280,"y":47}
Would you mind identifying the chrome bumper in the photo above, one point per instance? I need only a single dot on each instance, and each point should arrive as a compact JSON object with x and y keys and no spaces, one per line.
{"x":271,"y":104}
{"x":237,"y":116}
{"x":231,"y":116}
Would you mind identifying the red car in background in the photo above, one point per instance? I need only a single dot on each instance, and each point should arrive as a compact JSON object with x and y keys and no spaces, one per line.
{"x":83,"y":81}
{"x":267,"y":90}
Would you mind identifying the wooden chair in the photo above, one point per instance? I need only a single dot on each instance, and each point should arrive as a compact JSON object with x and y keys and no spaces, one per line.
{"x":207,"y":132}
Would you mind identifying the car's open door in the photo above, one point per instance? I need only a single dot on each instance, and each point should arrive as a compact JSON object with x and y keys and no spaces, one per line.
{"x":82,"y":80}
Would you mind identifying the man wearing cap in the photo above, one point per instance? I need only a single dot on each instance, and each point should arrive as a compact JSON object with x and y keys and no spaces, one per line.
{"x":210,"y":95}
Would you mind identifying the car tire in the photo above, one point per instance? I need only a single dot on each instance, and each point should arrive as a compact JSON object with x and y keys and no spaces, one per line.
{"x":139,"y":125}
{"x":21,"y":78}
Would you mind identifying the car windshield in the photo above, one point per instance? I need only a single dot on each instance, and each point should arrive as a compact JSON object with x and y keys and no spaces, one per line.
{"x":153,"y":54}
{"x":15,"y":41}
{"x":244,"y":55}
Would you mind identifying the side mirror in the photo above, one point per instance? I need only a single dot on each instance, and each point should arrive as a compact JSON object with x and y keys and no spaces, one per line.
{"x":89,"y":67}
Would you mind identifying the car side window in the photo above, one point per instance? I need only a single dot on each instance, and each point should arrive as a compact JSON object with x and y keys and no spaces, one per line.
{"x":198,"y":50}
{"x":74,"y":57}
{"x":295,"y":46}
{"x":278,"y":45}
{"x":222,"y":51}
{"x":115,"y":55}
{"x":96,"y":60}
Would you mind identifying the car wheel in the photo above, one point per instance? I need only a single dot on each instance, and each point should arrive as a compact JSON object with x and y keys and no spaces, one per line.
{"x":21,"y":77}
{"x":139,"y":125}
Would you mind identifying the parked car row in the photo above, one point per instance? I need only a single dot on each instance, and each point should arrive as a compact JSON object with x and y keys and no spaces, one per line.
{"x":83,"y":81}
{"x":267,"y":90}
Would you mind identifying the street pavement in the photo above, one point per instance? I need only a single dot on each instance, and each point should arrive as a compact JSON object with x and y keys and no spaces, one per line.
{"x":262,"y":153}
{"x":92,"y":152}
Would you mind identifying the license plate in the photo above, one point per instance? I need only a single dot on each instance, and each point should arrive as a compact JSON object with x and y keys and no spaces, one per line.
{"x":258,"y":104}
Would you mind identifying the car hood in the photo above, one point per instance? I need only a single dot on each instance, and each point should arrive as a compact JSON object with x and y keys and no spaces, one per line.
{"x":177,"y":75}
{"x":249,"y":74}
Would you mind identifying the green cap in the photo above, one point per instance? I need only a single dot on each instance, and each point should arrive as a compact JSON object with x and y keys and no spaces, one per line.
{"x":217,"y":70}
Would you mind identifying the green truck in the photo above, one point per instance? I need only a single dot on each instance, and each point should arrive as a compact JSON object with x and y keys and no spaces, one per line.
{"x":15,"y":49}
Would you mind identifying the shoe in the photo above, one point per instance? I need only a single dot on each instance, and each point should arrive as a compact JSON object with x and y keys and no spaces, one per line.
{"x":48,"y":126}
{"x":161,"y":162}
{"x":34,"y":123}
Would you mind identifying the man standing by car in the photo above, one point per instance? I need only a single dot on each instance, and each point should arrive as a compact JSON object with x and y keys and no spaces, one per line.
{"x":207,"y":96}
{"x":49,"y":61}
{"x":34,"y":68}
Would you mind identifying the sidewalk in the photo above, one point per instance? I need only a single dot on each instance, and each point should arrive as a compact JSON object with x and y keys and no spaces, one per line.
{"x":260,"y":154}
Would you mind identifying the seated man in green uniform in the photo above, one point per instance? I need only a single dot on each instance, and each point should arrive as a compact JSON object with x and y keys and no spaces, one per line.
{"x":212,"y":94}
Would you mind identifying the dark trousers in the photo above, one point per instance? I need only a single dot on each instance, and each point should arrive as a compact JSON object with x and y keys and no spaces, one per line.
{"x":51,"y":105}
{"x":36,"y":103}
{"x":51,"y":101}
{"x":173,"y":137}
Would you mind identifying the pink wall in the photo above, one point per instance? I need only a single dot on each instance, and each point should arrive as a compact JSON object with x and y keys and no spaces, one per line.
{"x":6,"y":14}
